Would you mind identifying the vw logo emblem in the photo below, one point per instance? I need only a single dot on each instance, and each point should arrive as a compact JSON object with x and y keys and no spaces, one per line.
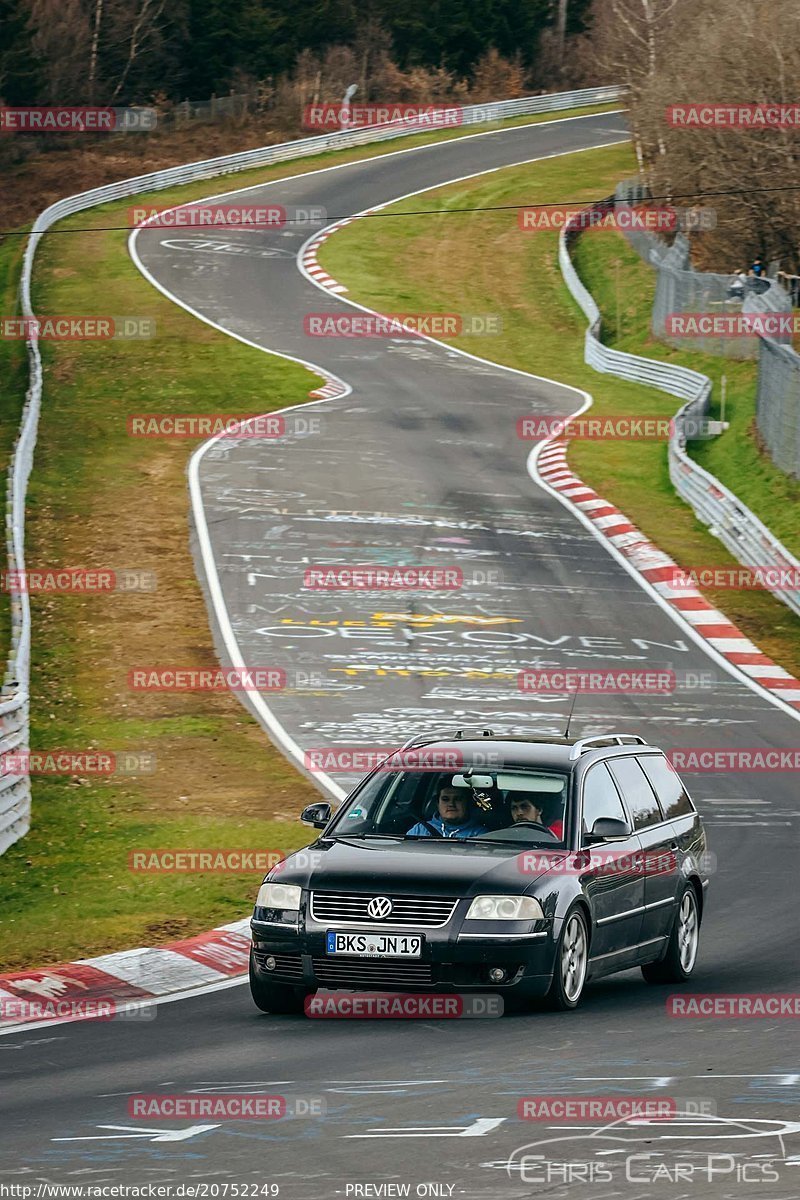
{"x":379,"y":907}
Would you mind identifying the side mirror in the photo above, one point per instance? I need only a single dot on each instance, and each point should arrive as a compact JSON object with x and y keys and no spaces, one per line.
{"x":609,"y":828}
{"x":316,"y":815}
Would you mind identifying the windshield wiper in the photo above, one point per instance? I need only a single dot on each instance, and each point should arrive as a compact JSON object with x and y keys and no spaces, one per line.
{"x":509,"y":842}
{"x":349,"y":837}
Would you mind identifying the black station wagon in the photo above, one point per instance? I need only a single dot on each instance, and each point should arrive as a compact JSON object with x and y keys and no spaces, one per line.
{"x":518,"y":866}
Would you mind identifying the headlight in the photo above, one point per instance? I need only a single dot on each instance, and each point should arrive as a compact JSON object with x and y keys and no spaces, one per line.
{"x":278,"y":895}
{"x":505,"y":908}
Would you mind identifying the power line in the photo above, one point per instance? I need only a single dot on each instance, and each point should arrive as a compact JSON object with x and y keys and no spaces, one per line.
{"x":418,"y":212}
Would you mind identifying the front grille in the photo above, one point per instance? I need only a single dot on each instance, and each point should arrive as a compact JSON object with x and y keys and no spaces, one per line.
{"x":287,"y":966}
{"x":361,"y":973}
{"x":350,"y":908}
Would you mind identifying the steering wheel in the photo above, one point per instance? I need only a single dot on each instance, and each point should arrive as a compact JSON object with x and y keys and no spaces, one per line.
{"x":535,"y":825}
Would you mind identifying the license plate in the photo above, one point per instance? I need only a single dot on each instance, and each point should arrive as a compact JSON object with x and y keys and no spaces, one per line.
{"x":375,"y":945}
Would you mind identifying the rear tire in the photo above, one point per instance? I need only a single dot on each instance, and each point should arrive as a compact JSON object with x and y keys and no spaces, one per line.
{"x":684,"y":939}
{"x":571,"y":964}
{"x":277,"y":998}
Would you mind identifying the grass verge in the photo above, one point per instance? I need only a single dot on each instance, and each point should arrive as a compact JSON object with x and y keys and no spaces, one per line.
{"x":101,"y":498}
{"x":474,"y":262}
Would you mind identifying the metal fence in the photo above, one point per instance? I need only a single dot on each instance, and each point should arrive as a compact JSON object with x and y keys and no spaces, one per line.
{"x":15,"y":795}
{"x":778,"y":404}
{"x":234,"y":106}
{"x":680,"y":289}
{"x":737,"y":528}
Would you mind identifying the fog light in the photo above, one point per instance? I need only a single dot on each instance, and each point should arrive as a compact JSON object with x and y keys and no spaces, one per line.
{"x":497,"y":974}
{"x":269,"y":963}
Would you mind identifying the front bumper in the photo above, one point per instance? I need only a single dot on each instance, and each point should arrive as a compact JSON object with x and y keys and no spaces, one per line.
{"x":452,"y":960}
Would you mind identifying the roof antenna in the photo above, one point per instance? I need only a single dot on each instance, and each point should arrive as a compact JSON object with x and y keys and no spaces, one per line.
{"x":571,"y":711}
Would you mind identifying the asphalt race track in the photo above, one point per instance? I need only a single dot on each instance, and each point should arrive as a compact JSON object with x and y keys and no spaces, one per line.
{"x":420,"y":463}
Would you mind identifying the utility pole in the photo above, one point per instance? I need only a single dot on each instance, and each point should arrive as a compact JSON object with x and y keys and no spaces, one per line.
{"x":344,"y":115}
{"x":561,"y":29}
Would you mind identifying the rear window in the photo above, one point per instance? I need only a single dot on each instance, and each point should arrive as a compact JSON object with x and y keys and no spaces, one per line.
{"x":667,"y":786}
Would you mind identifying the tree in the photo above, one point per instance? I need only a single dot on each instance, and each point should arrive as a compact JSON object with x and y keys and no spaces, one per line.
{"x":703,"y":63}
{"x":60,"y":39}
{"x":18,"y":70}
{"x":628,"y":36}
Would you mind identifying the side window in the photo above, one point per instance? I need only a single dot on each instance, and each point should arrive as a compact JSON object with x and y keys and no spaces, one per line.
{"x":636,"y":789}
{"x":600,"y":798}
{"x":667,"y":786}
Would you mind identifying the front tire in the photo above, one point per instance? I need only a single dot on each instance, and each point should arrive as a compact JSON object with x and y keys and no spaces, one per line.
{"x":684,"y":939}
{"x":271,"y":997}
{"x":571,"y":964}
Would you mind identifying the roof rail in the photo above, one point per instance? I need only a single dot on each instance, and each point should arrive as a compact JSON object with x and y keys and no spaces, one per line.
{"x":423,"y":739}
{"x":619,"y":739}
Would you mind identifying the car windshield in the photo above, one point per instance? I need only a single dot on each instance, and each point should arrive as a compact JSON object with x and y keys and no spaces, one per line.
{"x":517,"y":805}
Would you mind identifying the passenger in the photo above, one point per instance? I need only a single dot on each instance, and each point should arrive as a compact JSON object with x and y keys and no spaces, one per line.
{"x":453,"y":819}
{"x":524,"y":808}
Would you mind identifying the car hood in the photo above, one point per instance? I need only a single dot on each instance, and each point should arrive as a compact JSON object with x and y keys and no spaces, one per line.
{"x":428,"y":867}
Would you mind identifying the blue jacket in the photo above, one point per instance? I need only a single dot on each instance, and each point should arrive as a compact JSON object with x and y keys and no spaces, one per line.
{"x":470,"y":828}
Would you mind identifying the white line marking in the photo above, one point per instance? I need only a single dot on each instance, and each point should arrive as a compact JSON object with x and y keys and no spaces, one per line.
{"x":161,"y":1135}
{"x":479,"y":1128}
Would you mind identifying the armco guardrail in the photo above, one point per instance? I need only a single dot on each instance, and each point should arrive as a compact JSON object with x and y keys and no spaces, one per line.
{"x":14,"y":723}
{"x":735,"y":525}
{"x":14,"y":788}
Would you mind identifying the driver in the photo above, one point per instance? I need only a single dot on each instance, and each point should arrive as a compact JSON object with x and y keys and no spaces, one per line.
{"x":453,"y":819}
{"x":523,"y":808}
